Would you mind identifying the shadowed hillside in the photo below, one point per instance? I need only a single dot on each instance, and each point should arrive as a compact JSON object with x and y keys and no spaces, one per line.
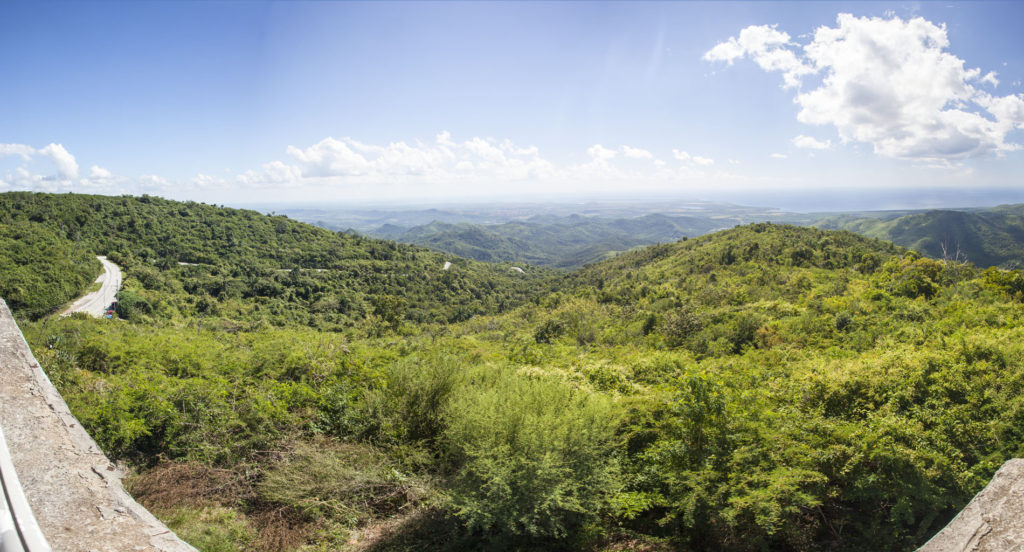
{"x":990,"y":237}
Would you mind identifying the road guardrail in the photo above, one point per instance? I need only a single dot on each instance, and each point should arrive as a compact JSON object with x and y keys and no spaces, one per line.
{"x":19,"y":531}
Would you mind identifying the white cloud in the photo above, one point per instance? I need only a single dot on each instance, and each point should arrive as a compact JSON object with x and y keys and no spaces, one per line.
{"x":696,"y":159}
{"x":767,"y":47}
{"x":277,"y":171}
{"x":779,"y":156}
{"x":636,"y":153}
{"x":809,"y":142}
{"x":330,"y":157}
{"x":25,"y":152}
{"x":67,"y":167}
{"x":97,"y":172}
{"x":440,"y":167}
{"x":890,"y":83}
{"x":64,"y":162}
{"x":600,"y":153}
{"x":204,"y":181}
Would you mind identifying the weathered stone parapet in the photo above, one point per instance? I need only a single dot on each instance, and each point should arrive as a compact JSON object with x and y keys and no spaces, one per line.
{"x":993,"y":521}
{"x":73,"y":489}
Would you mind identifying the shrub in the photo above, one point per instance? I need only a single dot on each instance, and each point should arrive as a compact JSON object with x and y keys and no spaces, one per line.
{"x":130,"y":305}
{"x":534,"y":458}
{"x":343,"y":482}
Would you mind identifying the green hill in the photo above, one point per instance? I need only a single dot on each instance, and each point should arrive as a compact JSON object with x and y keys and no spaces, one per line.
{"x":558,"y":241}
{"x":766,"y":387}
{"x":41,"y":268}
{"x":190,"y":259}
{"x":989,"y":237}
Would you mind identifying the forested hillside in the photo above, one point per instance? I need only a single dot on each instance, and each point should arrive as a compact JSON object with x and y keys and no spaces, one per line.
{"x":985,"y":237}
{"x":989,"y":237}
{"x":186,"y":260}
{"x":41,"y":268}
{"x":566,"y":242}
{"x":765,"y":387}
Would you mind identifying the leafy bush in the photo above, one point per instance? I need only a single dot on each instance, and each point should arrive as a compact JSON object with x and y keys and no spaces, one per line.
{"x":534,"y":458}
{"x":344,"y":482}
{"x":548,"y":331}
{"x":131,"y":305}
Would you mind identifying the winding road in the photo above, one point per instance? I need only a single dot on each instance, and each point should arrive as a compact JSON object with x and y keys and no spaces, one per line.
{"x":96,"y":303}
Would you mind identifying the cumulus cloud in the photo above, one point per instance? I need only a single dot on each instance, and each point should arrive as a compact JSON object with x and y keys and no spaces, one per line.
{"x":636,"y":153}
{"x":67,"y":167}
{"x":809,"y":142}
{"x":599,"y":152}
{"x":696,"y":159}
{"x":442,"y":166}
{"x":330,"y":157}
{"x":887,"y":82}
{"x":25,"y":152}
{"x":768,"y":47}
{"x":444,"y":158}
{"x":99,"y":172}
{"x":64,"y":162}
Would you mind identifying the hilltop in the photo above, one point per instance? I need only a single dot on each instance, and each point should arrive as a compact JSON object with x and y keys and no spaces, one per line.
{"x":985,"y":237}
{"x":763,"y":387}
{"x":564,"y":242}
{"x":186,"y":259}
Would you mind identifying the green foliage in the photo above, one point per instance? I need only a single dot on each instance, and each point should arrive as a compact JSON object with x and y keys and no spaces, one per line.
{"x":211,"y":529}
{"x":679,"y":325}
{"x":344,"y":482}
{"x":985,"y":237}
{"x":763,"y":388}
{"x":564,"y":242}
{"x":549,"y":330}
{"x":131,"y":305}
{"x":41,"y":269}
{"x":189,"y":259}
{"x":1010,"y":282}
{"x":535,"y":458}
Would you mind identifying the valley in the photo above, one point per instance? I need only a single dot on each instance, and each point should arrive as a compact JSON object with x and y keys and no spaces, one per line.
{"x":572,"y":235}
{"x":765,"y":386}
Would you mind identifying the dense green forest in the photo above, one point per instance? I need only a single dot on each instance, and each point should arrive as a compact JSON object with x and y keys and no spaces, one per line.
{"x":190,"y":260}
{"x":767,"y":387}
{"x":559,"y":241}
{"x":41,"y":268}
{"x":985,"y":237}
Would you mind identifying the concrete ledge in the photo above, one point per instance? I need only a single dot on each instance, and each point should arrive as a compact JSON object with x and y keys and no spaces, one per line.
{"x":993,"y":520}
{"x":73,"y":488}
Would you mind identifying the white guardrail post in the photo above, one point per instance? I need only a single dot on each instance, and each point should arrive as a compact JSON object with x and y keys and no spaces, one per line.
{"x":19,"y":531}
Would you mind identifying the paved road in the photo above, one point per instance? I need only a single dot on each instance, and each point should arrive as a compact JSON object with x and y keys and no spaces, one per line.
{"x":96,"y":303}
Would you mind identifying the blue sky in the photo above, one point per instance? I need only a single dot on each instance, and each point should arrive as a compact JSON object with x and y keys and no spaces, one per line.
{"x":233,"y":102}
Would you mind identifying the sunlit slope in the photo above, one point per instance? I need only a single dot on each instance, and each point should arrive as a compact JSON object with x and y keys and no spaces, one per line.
{"x":765,"y":248}
{"x":566,"y":242}
{"x":187,"y":258}
{"x":40,"y":269}
{"x":766,"y":387}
